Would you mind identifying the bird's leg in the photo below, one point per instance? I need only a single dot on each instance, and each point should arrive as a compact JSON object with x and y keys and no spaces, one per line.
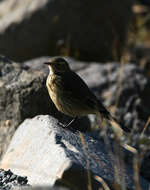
{"x":71,"y":122}
{"x":67,"y":125}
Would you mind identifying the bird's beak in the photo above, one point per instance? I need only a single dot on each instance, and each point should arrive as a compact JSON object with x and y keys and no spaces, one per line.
{"x":47,"y":63}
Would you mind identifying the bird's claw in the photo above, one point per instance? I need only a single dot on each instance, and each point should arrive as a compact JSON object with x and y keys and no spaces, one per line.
{"x":62,"y":125}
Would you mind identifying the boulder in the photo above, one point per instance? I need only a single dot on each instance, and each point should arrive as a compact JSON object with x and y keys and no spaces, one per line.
{"x":85,"y":29}
{"x":19,"y":90}
{"x":48,"y":155}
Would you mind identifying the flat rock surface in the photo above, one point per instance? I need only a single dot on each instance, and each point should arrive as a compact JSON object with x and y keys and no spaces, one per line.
{"x":43,"y":151}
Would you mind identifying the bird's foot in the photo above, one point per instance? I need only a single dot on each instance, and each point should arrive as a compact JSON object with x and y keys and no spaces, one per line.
{"x":68,"y":124}
{"x":62,"y":125}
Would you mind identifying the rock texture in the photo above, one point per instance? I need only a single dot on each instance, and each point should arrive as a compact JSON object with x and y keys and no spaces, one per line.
{"x":45,"y":153}
{"x":90,"y":30}
{"x":11,"y":181}
{"x":8,"y":180}
{"x":18,"y":89}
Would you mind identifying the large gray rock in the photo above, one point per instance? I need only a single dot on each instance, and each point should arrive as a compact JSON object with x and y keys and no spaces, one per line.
{"x":46,"y":153}
{"x":90,"y":30}
{"x":19,"y":89}
{"x":22,"y":95}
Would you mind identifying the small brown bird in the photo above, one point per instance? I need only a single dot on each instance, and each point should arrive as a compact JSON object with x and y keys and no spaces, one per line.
{"x":72,"y":97}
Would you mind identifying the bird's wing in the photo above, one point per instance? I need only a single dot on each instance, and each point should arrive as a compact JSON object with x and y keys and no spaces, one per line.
{"x":75,"y":87}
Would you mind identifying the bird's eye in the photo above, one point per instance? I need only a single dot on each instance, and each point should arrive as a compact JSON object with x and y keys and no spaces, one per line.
{"x":58,"y":65}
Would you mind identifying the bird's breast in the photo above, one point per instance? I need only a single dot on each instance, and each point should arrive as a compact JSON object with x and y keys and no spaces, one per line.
{"x":52,"y":88}
{"x":53,"y":85}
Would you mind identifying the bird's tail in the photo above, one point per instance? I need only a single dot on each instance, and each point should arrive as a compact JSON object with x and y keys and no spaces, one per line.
{"x":114,"y":124}
{"x":107,"y":115}
{"x":119,"y":131}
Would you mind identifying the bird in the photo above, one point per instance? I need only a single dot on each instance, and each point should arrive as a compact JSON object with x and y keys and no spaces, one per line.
{"x":72,"y":96}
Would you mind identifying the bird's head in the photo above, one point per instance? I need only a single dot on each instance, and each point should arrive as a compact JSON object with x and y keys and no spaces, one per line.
{"x":57,"y":65}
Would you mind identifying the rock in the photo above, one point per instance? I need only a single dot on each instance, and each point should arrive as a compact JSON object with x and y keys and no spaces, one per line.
{"x":90,"y":30}
{"x":46,"y":153}
{"x":18,"y":91}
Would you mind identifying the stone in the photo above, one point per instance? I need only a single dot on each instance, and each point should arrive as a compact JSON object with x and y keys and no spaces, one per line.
{"x":45,"y":152}
{"x":85,"y":29}
{"x":19,"y":89}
